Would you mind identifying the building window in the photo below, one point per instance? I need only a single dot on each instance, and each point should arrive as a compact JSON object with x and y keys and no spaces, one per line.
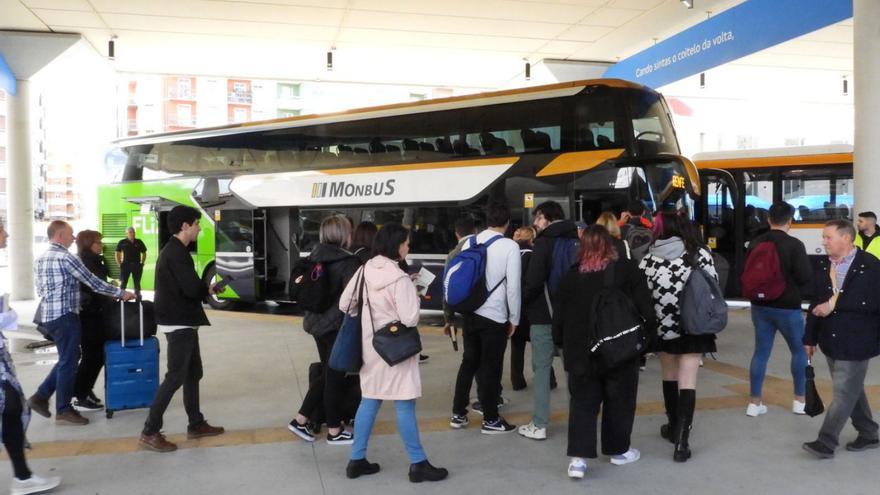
{"x":184,"y":87}
{"x":184,"y":115}
{"x":288,"y":90}
{"x":239,"y":115}
{"x":239,"y":87}
{"x":286,"y":112}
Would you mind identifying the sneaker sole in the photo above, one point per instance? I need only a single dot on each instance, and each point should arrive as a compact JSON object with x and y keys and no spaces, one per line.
{"x":576,"y":475}
{"x":456,"y":426}
{"x":624,"y":462}
{"x":495,"y":432}
{"x":196,"y":436}
{"x":340,"y":442}
{"x":300,"y":434}
{"x":87,"y":409}
{"x":69,"y":423}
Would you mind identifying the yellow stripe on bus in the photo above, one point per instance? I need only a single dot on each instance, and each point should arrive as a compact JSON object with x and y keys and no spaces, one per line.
{"x":778,"y":161}
{"x":578,"y":161}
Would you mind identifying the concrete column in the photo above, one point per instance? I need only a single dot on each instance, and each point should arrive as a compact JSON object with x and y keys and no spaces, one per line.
{"x":866,"y":64}
{"x":20,"y":194}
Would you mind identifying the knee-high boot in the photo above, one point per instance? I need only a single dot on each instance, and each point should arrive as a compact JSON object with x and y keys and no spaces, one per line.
{"x":670,"y":400}
{"x":687,"y":399}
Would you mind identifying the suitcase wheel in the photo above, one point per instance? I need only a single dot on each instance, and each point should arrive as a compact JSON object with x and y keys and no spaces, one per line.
{"x":109,"y":414}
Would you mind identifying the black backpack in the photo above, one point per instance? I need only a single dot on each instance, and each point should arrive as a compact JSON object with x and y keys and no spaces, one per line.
{"x":311,"y":287}
{"x":617,"y":330}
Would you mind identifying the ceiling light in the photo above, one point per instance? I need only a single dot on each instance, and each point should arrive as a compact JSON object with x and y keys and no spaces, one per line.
{"x":111,"y":48}
{"x":330,"y":61}
{"x":688,"y":3}
{"x":528,"y":71}
{"x":702,"y":80}
{"x":845,"y":86}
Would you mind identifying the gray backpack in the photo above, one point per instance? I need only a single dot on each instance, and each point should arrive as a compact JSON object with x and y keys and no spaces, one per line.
{"x":703,"y":308}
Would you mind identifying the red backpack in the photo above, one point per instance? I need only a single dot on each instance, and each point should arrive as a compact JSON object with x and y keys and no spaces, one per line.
{"x":762,"y":278}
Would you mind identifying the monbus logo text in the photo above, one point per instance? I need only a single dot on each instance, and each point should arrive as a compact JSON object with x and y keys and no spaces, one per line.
{"x":344,"y":189}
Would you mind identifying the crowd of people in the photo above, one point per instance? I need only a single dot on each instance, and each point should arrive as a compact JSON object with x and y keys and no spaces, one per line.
{"x":540,"y":286}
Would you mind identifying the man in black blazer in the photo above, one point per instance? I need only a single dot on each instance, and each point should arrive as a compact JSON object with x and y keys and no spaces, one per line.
{"x":179,"y":314}
{"x":844,"y":321}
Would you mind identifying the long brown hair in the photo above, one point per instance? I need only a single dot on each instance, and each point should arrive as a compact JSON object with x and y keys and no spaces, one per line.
{"x":597,"y":250}
{"x":85,"y":239}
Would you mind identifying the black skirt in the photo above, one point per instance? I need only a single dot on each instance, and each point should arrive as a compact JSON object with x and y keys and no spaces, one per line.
{"x":688,"y":344}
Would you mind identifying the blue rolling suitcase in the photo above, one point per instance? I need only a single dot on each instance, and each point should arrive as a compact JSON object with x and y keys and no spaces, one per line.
{"x":131,"y":370}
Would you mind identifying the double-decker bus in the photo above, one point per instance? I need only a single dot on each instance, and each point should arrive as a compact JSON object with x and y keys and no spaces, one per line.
{"x":264,"y":187}
{"x":739,"y":187}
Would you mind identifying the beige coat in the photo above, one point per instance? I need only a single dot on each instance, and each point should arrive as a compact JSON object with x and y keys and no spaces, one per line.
{"x":391,"y":296}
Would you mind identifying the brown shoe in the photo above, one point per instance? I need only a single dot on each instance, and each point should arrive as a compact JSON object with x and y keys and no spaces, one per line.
{"x":71,"y":417}
{"x":156,"y":442}
{"x":40,"y":406}
{"x":204,"y":430}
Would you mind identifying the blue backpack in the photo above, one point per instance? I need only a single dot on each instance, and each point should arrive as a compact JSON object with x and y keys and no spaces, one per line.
{"x":565,"y":251}
{"x":464,"y":278}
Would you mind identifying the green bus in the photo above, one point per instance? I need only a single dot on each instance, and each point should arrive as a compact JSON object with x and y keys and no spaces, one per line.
{"x":264,"y":187}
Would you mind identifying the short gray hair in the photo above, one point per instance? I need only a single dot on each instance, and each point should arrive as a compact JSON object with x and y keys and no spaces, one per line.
{"x":336,"y":230}
{"x":843,"y":227}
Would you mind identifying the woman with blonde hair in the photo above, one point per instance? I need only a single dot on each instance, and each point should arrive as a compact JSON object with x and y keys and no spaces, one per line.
{"x":609,"y":221}
{"x":340,"y":264}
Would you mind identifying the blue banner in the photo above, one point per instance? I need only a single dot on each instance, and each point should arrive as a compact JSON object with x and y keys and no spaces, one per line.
{"x":751,"y":26}
{"x":7,"y":78}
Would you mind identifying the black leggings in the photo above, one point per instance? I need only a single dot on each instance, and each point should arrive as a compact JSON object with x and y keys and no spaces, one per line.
{"x":13,"y":432}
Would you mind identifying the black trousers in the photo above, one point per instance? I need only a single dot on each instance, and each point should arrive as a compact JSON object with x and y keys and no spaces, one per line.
{"x":328,"y":388}
{"x":184,"y":370}
{"x":615,"y":392}
{"x":13,"y":431}
{"x":133,"y":269}
{"x":92,"y":357}
{"x":483,"y":357}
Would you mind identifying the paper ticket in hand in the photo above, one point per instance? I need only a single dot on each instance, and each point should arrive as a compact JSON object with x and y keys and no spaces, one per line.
{"x":423,"y":280}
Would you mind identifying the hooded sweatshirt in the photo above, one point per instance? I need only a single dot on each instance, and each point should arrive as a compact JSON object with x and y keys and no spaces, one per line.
{"x":341,"y":266}
{"x":390,"y":296}
{"x":667,"y":272}
{"x":540,"y":266}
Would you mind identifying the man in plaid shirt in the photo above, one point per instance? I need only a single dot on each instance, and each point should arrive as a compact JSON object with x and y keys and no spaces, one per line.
{"x":58,"y":274}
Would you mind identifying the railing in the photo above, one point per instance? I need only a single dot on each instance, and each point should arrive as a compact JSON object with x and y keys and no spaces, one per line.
{"x":180,"y":122}
{"x":177,"y":94}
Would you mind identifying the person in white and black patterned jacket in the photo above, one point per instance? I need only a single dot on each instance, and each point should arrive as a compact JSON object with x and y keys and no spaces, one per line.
{"x":667,"y":266}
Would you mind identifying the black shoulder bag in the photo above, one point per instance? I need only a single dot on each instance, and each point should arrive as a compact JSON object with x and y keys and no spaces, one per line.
{"x":395,"y":342}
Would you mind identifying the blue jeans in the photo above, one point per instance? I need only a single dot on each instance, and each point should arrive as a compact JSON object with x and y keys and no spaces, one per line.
{"x":790,"y":323}
{"x":406,"y":425}
{"x":65,"y":331}
{"x":542,"y":363}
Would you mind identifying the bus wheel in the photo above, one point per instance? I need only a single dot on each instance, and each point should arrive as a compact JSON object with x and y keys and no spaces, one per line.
{"x":212,"y":300}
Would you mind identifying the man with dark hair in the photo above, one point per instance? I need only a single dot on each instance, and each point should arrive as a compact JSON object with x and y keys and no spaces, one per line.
{"x":868,"y":233}
{"x":58,"y":275}
{"x":538,"y":296}
{"x":179,"y":314}
{"x":782,"y":313}
{"x":843,"y":322}
{"x":465,"y":228}
{"x":486,"y":330}
{"x":131,"y":253}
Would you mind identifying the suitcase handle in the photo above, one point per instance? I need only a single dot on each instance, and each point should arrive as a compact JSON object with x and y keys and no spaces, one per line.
{"x":122,"y":320}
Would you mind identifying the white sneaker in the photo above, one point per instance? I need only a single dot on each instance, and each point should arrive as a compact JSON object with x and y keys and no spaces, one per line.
{"x":533,"y":431}
{"x":34,"y":484}
{"x":577,"y":468}
{"x":755,"y":410}
{"x":798,"y":407}
{"x":631,"y":455}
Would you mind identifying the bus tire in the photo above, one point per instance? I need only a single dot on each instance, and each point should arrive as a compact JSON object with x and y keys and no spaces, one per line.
{"x":212,"y":300}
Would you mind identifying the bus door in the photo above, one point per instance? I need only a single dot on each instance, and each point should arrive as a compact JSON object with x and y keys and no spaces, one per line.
{"x":719,"y":217}
{"x":240,"y":237}
{"x":610,"y":189}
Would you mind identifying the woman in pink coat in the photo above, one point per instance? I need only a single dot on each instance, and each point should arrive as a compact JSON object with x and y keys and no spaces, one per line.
{"x":390,"y":296}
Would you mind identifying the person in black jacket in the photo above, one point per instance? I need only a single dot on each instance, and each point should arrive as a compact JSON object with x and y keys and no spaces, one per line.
{"x":90,"y":249}
{"x":525,"y":237}
{"x":783,"y":313}
{"x":341,"y":265}
{"x":844,"y":320}
{"x":179,"y":293}
{"x":552,"y":226}
{"x":592,"y":388}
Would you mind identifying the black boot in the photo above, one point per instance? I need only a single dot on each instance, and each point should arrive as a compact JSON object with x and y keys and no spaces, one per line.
{"x":687,"y":399}
{"x":358,"y":467}
{"x":670,"y":400}
{"x":424,"y":471}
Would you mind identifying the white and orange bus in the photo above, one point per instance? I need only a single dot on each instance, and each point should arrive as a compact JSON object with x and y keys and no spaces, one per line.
{"x":739,"y":187}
